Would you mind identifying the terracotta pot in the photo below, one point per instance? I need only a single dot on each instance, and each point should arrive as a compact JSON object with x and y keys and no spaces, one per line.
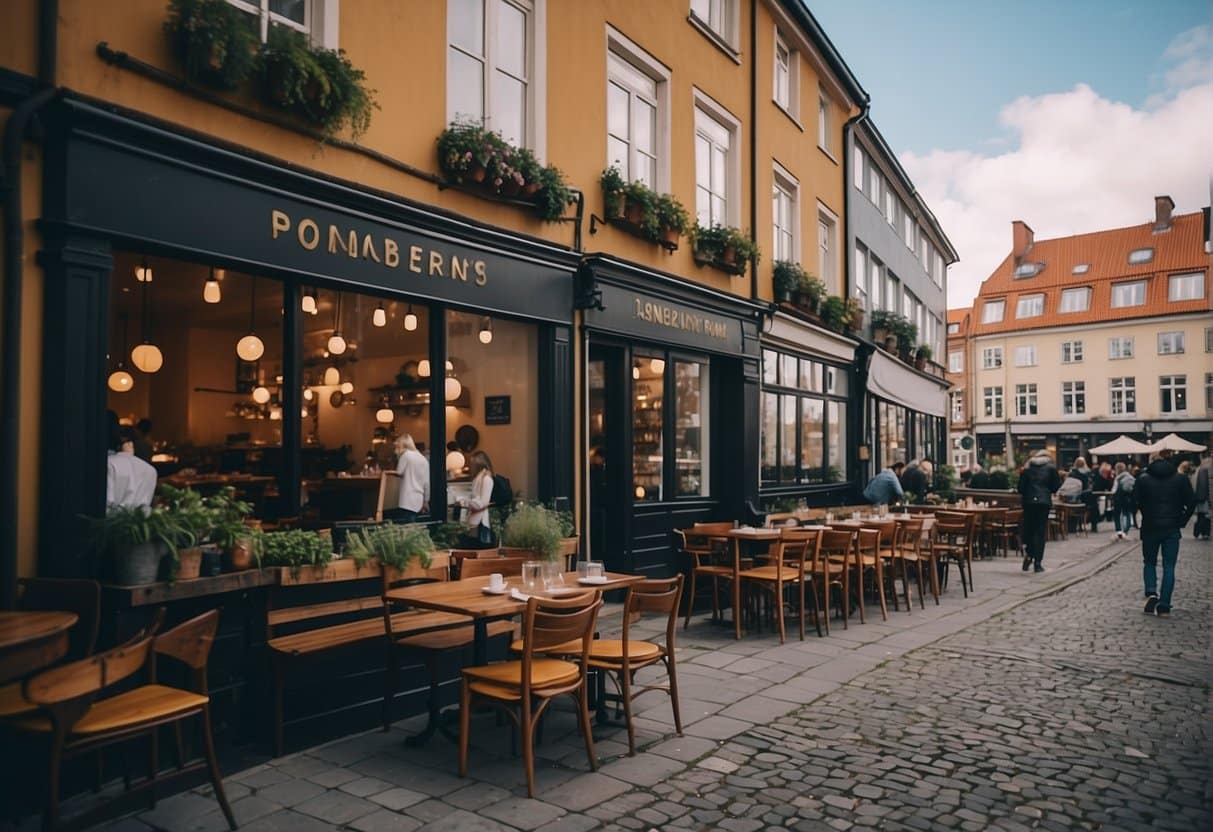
{"x":510,"y":187}
{"x":189,"y":563}
{"x":634,"y":213}
{"x":729,"y":256}
{"x":240,"y":556}
{"x":920,"y":363}
{"x":670,"y":236}
{"x":616,"y":204}
{"x":476,"y":173}
{"x":890,"y":343}
{"x":857,"y":321}
{"x":530,"y":189}
{"x":252,"y":523}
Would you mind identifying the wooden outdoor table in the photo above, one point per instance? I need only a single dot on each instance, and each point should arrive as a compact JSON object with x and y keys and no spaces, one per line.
{"x":468,"y":598}
{"x":32,"y":640}
{"x":736,"y":536}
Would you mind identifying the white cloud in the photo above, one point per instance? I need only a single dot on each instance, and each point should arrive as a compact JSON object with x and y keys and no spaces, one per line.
{"x":1078,"y":162}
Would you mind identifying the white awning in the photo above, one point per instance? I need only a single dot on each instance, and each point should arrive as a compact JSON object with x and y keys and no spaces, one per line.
{"x":890,"y":379}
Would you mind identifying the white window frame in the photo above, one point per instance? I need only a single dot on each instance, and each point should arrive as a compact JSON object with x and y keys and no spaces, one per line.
{"x":860,"y":164}
{"x":1122,"y":396}
{"x":1141,"y":256}
{"x":1026,"y":399}
{"x":1030,"y":306}
{"x":825,"y":121}
{"x":1171,"y":343}
{"x":859,"y":278}
{"x":1116,"y":347}
{"x":827,"y":265}
{"x":707,"y":108}
{"x":987,"y":311}
{"x":956,"y":361}
{"x":534,"y":119}
{"x":991,"y":399}
{"x":1177,"y":287}
{"x":726,"y":25}
{"x":623,"y":49}
{"x":991,"y":358}
{"x":1172,"y":384}
{"x":1071,"y":352}
{"x":1126,"y":286}
{"x":958,"y":406}
{"x":953,"y":329}
{"x":320,"y":20}
{"x":1025,"y":355}
{"x":791,"y":105}
{"x":1073,"y":398}
{"x":784,"y":184}
{"x":1083,"y":292}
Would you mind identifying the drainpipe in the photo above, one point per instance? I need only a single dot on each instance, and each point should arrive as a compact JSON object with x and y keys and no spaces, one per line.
{"x":754,"y":143}
{"x":14,"y":256}
{"x":859,"y":422}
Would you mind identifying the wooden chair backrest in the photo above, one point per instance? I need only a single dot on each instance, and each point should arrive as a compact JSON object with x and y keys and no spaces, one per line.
{"x":868,"y":541}
{"x":83,"y":597}
{"x":908,"y":535}
{"x":837,"y":542}
{"x":548,"y":622}
{"x":658,"y":596}
{"x":886,"y":528}
{"x":479,"y":567}
{"x":1014,"y":516}
{"x":90,"y":676}
{"x":389,"y":493}
{"x":189,"y":642}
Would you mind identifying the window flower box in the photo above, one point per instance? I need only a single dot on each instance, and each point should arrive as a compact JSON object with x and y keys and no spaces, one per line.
{"x":641,"y":211}
{"x":724,"y":248}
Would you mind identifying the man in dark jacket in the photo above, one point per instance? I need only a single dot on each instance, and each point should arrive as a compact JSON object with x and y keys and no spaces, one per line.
{"x":1166,"y":501}
{"x":914,"y":480}
{"x":1037,"y":483}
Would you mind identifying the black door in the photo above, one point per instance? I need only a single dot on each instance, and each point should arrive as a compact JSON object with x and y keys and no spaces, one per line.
{"x":610,"y":511}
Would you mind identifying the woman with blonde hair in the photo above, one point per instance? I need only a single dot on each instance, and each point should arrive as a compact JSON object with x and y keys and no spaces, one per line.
{"x":414,"y":471}
{"x":479,"y":534}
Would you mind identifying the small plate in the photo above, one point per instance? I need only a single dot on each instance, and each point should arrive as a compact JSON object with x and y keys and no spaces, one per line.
{"x":490,"y":591}
{"x":592,"y":581}
{"x":563,"y":590}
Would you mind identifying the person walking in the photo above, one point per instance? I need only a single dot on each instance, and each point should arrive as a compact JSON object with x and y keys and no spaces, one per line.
{"x":1123,"y":509}
{"x":1037,"y":484}
{"x":1204,"y":497}
{"x":1166,"y":502}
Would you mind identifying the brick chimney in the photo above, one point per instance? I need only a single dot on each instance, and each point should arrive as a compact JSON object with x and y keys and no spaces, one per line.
{"x":1163,"y":206}
{"x":1021,"y":240}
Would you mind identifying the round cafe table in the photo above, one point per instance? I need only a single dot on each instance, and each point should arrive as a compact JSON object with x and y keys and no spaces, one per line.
{"x":32,"y":640}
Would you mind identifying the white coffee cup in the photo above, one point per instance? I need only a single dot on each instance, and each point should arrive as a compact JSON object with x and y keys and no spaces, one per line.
{"x":496,"y":581}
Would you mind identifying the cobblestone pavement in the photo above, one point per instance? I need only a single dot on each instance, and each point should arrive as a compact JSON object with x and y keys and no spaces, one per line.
{"x":1041,"y":701}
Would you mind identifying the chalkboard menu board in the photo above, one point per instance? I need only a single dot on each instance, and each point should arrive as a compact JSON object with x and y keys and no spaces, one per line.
{"x":496,"y":410}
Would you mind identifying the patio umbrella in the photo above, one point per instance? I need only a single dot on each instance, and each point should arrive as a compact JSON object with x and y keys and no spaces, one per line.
{"x":1174,"y":442}
{"x":1121,"y":446}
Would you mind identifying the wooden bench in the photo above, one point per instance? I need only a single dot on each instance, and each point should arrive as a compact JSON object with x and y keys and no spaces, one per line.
{"x":318,"y":628}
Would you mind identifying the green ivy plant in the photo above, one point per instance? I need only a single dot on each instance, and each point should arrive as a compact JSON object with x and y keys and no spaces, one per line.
{"x":785,"y":279}
{"x":834,"y":313}
{"x":213,"y":40}
{"x":295,"y":549}
{"x":394,"y":545}
{"x":724,"y":247}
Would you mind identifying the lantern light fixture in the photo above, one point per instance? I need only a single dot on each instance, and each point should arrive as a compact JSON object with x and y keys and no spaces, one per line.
{"x":308,"y":303}
{"x":346,"y":388}
{"x":143,"y":272}
{"x":410,"y":320}
{"x":486,"y":330}
{"x":379,"y":317}
{"x":250,"y":348}
{"x":261,"y":394}
{"x":211,"y":293}
{"x":308,"y":395}
{"x":336,"y":343}
{"x":384,"y":416}
{"x":332,"y":376}
{"x":423,"y":368}
{"x":146,"y":356}
{"x":657,"y":365}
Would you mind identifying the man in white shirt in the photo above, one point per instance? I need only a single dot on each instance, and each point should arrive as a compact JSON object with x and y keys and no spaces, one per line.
{"x":129,"y":481}
{"x":414,"y":471}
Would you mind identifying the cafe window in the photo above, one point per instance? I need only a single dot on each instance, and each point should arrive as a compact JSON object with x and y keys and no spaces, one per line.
{"x":670,"y":460}
{"x":804,"y":430}
{"x":194,"y":373}
{"x":637,"y":112}
{"x":489,"y":66}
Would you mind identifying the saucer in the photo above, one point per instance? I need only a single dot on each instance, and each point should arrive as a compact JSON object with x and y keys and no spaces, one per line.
{"x":488,"y":590}
{"x":592,"y":581}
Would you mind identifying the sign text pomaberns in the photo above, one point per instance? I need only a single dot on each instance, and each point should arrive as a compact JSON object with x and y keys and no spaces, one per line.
{"x":311,"y":236}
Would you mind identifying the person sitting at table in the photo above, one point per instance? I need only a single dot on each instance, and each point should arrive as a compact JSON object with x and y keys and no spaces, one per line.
{"x":129,"y":481}
{"x":414,"y":472}
{"x":915,"y":480}
{"x":1072,"y":485}
{"x":479,"y":532}
{"x":885,"y":487}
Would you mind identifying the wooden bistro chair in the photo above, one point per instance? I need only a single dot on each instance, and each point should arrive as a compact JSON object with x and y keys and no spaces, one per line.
{"x":1005,"y":529}
{"x":701,"y":549}
{"x":907,"y":551}
{"x":482,"y":567}
{"x":832,"y":568}
{"x":524,"y":687}
{"x":389,"y":493}
{"x":871,"y":561}
{"x":952,"y":541}
{"x":785,"y":567}
{"x":75,"y":721}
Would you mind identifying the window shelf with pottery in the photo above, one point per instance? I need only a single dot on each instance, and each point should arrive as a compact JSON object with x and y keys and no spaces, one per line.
{"x":642,"y":212}
{"x":723,"y":247}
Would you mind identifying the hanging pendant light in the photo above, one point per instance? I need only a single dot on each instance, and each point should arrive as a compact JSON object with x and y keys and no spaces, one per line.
{"x":250,"y":348}
{"x":308,"y":395}
{"x":211,"y":292}
{"x":452,"y":386}
{"x":147,"y":356}
{"x":332,"y":377}
{"x":346,"y":387}
{"x":261,"y":394}
{"x":423,"y":368}
{"x":120,"y":380}
{"x":308,"y":304}
{"x":143,"y":272}
{"x":410,"y":320}
{"x":384,"y":415}
{"x":486,"y":330}
{"x":657,"y":365}
{"x":379,"y":317}
{"x":303,"y":412}
{"x":336,"y":343}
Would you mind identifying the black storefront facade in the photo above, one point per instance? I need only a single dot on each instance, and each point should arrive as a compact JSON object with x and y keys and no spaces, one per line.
{"x":671,"y":434}
{"x":116,"y":183}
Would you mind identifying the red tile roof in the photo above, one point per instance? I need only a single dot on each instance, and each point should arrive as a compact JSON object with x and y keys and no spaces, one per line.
{"x":1106,"y":254}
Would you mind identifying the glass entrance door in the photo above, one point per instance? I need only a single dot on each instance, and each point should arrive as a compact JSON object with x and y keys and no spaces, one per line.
{"x":608,"y":503}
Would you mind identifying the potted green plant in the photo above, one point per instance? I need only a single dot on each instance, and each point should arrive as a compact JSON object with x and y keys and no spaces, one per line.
{"x":785,"y":280}
{"x":613,"y":195}
{"x":394,"y":546}
{"x":922,"y":356}
{"x":855,"y":314}
{"x":529,"y":168}
{"x":533,"y":528}
{"x":723,"y":247}
{"x":320,"y":85}
{"x":553,"y":195}
{"x":137,"y":539}
{"x":214,"y":41}
{"x":295,"y":549}
{"x":883,"y":328}
{"x":672,"y":219}
{"x":466,"y":152}
{"x":834,"y":313}
{"x":195,"y":520}
{"x":640,"y":209}
{"x":811,"y":293}
{"x":239,"y":543}
{"x":907,"y":335}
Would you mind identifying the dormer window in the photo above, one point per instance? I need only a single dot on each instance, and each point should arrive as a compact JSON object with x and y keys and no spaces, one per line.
{"x":1027,"y":270}
{"x":1141,"y":255}
{"x":1081,"y":268}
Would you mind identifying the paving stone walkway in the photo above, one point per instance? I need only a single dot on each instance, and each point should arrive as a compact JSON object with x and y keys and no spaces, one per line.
{"x":1042,"y":701}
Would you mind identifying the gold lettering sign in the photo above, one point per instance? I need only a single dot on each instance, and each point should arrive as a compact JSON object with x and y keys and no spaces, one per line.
{"x":663,"y":315}
{"x":351,"y":243}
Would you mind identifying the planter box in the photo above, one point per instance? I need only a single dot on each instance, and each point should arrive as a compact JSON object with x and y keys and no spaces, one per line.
{"x":346,"y":570}
{"x":735,"y":268}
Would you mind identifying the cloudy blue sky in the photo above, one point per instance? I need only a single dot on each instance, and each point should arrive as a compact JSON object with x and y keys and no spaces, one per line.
{"x":1070,"y":115}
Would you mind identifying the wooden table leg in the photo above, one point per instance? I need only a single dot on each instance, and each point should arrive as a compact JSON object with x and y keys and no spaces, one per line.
{"x":737,"y":589}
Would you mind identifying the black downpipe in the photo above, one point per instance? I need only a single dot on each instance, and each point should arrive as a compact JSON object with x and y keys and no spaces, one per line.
{"x":859,"y":400}
{"x":14,"y":257}
{"x":754,"y":144}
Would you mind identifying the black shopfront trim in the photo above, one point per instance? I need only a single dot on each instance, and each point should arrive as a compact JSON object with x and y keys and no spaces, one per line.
{"x":114,"y":181}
